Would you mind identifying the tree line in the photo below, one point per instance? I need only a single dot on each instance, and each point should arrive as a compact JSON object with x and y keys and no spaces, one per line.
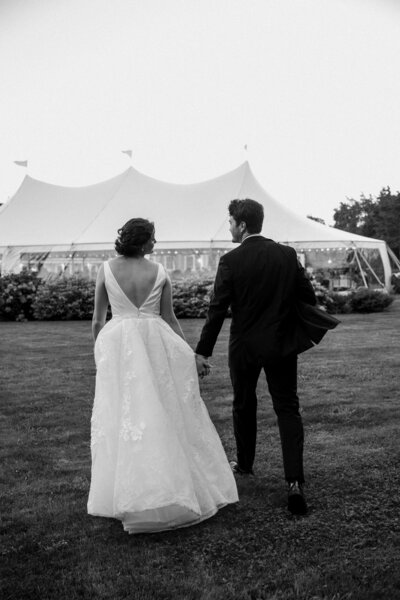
{"x":372,"y":217}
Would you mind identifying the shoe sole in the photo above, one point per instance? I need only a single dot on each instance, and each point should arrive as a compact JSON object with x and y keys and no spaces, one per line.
{"x":297,"y":505}
{"x":238,"y":471}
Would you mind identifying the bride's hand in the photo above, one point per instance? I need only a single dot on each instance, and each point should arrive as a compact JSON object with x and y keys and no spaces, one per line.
{"x":203,"y":366}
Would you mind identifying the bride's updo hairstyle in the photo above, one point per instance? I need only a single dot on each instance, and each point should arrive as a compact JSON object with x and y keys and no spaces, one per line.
{"x":132,"y":237}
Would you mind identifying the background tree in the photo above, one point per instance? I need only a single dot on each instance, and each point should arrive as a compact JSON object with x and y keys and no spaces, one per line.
{"x":387,"y":219}
{"x":373,"y":217}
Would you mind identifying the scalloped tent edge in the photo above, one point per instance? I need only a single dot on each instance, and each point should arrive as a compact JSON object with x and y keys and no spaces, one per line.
{"x":42,"y":217}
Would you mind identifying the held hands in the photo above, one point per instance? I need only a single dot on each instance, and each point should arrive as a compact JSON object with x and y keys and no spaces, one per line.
{"x":203,"y":366}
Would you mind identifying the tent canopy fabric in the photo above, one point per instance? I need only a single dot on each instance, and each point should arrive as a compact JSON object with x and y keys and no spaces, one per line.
{"x":43,"y":218}
{"x":42,"y":214}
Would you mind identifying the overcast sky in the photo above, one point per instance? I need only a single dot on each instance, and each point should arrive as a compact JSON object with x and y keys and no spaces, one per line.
{"x":312,"y":87}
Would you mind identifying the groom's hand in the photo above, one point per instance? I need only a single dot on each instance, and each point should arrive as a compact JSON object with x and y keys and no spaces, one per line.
{"x":203,"y":366}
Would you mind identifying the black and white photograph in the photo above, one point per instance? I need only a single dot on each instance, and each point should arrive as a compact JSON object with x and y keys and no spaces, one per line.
{"x":200,"y":299}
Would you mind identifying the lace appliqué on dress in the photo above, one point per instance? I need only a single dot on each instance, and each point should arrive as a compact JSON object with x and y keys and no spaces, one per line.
{"x":157,"y":461}
{"x":130,"y":432}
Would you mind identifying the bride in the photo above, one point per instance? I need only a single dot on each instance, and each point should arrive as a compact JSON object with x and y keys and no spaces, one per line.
{"x":157,"y":460}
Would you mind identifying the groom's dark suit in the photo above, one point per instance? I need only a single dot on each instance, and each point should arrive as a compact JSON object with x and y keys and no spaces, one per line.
{"x":262,"y":281}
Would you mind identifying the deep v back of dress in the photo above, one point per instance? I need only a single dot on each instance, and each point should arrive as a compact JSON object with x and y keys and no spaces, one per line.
{"x":121,"y":305}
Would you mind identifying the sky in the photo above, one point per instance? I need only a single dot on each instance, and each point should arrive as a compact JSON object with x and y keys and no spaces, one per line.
{"x":310,"y":87}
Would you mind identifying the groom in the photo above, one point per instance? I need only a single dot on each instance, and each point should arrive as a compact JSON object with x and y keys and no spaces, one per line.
{"x":261,"y":281}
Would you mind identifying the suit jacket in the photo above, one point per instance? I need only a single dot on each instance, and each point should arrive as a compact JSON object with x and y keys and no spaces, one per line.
{"x":262,"y":281}
{"x":314,"y":321}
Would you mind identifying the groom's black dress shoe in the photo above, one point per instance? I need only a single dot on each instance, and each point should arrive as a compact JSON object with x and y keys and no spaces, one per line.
{"x":238,"y":470}
{"x":297,"y":504}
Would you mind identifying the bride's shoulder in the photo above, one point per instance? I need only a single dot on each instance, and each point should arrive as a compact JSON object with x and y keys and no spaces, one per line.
{"x":112,"y":260}
{"x":161,"y":272}
{"x":157,"y":265}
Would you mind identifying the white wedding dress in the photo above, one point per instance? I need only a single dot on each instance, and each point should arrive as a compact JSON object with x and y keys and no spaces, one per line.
{"x":157,"y":460}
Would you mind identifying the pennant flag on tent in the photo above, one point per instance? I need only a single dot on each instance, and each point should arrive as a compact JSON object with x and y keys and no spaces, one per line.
{"x":245,"y":146}
{"x":128,"y":152}
{"x":21,"y":163}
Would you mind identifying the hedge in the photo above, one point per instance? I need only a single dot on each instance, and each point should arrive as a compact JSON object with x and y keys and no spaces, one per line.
{"x":369,"y":301}
{"x":64,"y":299}
{"x":24,"y":296}
{"x":191,"y":298}
{"x":17,"y":294}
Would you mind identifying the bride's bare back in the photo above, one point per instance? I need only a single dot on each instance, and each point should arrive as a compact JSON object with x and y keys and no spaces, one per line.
{"x":135,"y":276}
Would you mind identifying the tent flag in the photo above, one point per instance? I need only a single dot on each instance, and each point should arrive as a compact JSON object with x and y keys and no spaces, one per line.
{"x":128,"y":152}
{"x":21,"y":163}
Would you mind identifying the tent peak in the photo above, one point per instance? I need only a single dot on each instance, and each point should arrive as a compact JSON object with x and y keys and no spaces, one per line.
{"x":243,"y":167}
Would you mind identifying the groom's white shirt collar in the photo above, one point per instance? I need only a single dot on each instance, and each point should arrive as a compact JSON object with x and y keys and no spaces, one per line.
{"x":250,"y":236}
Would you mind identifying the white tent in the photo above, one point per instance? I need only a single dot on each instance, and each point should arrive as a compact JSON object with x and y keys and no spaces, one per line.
{"x":48,"y":223}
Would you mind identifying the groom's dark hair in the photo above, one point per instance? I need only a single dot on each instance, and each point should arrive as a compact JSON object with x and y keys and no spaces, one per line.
{"x":247,"y":211}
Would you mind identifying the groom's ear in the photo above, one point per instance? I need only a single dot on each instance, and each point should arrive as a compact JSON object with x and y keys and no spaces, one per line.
{"x":243,"y":226}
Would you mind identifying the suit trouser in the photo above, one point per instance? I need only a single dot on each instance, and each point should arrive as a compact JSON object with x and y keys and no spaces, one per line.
{"x":281,"y":377}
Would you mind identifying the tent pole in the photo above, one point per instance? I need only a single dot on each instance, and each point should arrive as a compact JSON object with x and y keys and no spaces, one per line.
{"x":372,"y":270}
{"x":393,"y":257}
{"x":360,"y":267}
{"x":383,"y":251}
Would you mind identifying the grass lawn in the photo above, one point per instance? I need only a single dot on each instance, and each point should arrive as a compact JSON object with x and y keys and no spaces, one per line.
{"x":348,"y":547}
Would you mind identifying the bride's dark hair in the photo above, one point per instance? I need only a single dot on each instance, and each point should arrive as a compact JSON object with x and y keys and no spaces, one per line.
{"x":132,"y":236}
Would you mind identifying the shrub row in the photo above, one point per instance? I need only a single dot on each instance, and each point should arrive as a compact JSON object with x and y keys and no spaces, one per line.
{"x":64,"y":299}
{"x":17,"y":296}
{"x":191,"y":298}
{"x":24,"y":297}
{"x":362,"y":300}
